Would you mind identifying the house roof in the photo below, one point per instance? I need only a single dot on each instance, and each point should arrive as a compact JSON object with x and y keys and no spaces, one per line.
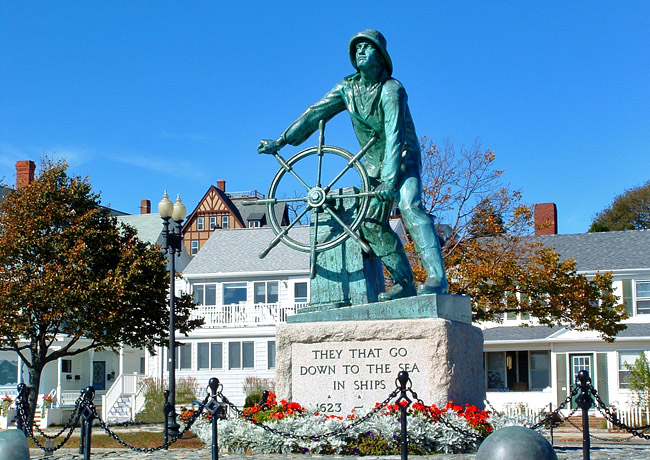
{"x":603,"y":251}
{"x":538,"y":333}
{"x":236,"y":250}
{"x":149,"y":228}
{"x":223,"y":196}
{"x":258,"y":211}
{"x":510,"y":333}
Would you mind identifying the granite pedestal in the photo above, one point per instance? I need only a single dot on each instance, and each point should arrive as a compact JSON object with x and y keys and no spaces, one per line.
{"x":348,"y":358}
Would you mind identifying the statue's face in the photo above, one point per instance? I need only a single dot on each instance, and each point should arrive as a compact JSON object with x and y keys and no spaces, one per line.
{"x":367,"y":55}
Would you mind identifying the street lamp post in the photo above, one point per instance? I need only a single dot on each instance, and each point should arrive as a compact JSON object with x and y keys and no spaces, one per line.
{"x":172,"y":241}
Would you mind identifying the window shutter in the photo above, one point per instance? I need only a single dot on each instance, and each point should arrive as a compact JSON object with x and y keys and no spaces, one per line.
{"x":562,"y":389}
{"x":601,"y":369}
{"x":627,"y":297}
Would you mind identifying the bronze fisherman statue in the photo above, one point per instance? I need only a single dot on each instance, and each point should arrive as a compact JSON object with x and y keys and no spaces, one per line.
{"x":378,"y":107}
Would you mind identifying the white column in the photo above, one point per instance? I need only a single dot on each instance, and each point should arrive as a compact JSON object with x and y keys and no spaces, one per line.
{"x":121,"y":360}
{"x":58,"y":381}
{"x":91,"y":355}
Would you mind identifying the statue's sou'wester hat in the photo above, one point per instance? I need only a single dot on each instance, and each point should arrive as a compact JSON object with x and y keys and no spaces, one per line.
{"x":377,"y":39}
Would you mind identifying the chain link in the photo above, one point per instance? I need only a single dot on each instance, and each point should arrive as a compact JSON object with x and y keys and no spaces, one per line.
{"x":603,"y":409}
{"x":491,"y":407}
{"x":173,"y":439}
{"x":313,"y":437}
{"x":67,"y":425}
{"x":28,"y":426}
{"x":476,"y":437}
{"x":557,"y":410}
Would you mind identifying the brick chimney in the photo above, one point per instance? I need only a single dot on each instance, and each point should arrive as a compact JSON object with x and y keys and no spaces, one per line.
{"x":24,"y":173}
{"x":221,"y":185}
{"x":545,"y":219}
{"x":145,"y":207}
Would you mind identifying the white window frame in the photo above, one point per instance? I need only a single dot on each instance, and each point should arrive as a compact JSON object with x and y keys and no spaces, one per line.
{"x":243,"y":344}
{"x":293,"y":292}
{"x":253,"y":224}
{"x":205,"y":293}
{"x":638,"y":298}
{"x":270,"y":354}
{"x":622,"y":370}
{"x":213,"y":222}
{"x":211,"y":356}
{"x":194,"y":247}
{"x":266,"y":291}
{"x":225,"y":221}
{"x":200,"y":224}
{"x":235,"y":285}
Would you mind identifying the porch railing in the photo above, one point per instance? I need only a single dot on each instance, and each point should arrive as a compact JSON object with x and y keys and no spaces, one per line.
{"x":245,"y":314}
{"x":125,"y":385}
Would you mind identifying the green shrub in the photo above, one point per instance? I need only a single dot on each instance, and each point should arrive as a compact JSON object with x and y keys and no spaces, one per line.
{"x":153,"y":392}
{"x":253,"y":388}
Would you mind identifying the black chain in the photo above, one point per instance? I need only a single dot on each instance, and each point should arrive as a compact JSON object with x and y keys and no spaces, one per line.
{"x":313,"y":437}
{"x":475,"y":437}
{"x":549,"y":416}
{"x":579,"y":428}
{"x":27,"y":423}
{"x":71,"y":421}
{"x":491,"y":407}
{"x":173,"y":439}
{"x":603,"y":409}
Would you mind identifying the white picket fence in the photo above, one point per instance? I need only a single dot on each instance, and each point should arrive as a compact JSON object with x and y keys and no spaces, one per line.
{"x":633,"y":416}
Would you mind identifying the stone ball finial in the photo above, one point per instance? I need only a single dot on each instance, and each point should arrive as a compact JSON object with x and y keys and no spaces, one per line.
{"x":516,"y":443}
{"x":13,"y":445}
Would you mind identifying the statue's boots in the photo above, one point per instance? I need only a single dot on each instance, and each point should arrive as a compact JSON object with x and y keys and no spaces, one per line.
{"x":399,"y":268}
{"x":436,"y":282}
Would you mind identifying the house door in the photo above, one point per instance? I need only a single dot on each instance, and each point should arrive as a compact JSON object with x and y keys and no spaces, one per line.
{"x":99,"y":375}
{"x":583,"y":362}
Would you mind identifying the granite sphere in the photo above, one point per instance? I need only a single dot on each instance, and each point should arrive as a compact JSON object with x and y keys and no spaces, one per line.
{"x":13,"y":445}
{"x":516,"y":443}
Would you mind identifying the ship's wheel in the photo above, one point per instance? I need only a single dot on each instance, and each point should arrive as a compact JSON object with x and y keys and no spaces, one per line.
{"x":319,"y":198}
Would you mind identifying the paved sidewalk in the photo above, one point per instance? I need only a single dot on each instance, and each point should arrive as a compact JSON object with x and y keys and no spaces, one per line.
{"x":570,"y":453}
{"x":567,"y":441}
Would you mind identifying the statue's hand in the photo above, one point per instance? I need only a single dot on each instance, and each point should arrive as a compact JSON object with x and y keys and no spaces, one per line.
{"x":269,"y":146}
{"x":385,"y":192}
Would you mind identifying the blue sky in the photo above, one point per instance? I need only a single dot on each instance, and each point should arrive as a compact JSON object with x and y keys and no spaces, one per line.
{"x":143,"y":96}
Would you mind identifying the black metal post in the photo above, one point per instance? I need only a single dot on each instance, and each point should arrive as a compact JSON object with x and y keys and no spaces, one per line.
{"x":88,"y":414}
{"x":22,"y":406}
{"x":173,"y":246}
{"x":551,"y":422}
{"x":82,"y":419}
{"x":585,"y":402}
{"x":404,"y":402}
{"x":217,"y":411}
{"x":264,"y":400}
{"x":166,"y":409}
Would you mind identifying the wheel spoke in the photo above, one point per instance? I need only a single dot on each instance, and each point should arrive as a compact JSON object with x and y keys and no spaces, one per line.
{"x":274,"y":201}
{"x":350,"y":195}
{"x":348,"y":230}
{"x":314,"y":243}
{"x":281,"y":235}
{"x":321,"y":142}
{"x":351,"y":163}
{"x":289,"y":169}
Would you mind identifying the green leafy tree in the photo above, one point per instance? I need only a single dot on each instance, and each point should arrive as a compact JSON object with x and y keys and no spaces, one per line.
{"x":71,"y":277}
{"x":639,"y":380}
{"x":491,"y":256}
{"x":629,"y":211}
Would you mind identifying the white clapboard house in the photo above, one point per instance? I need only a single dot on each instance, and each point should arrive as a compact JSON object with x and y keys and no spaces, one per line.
{"x":537,"y":365}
